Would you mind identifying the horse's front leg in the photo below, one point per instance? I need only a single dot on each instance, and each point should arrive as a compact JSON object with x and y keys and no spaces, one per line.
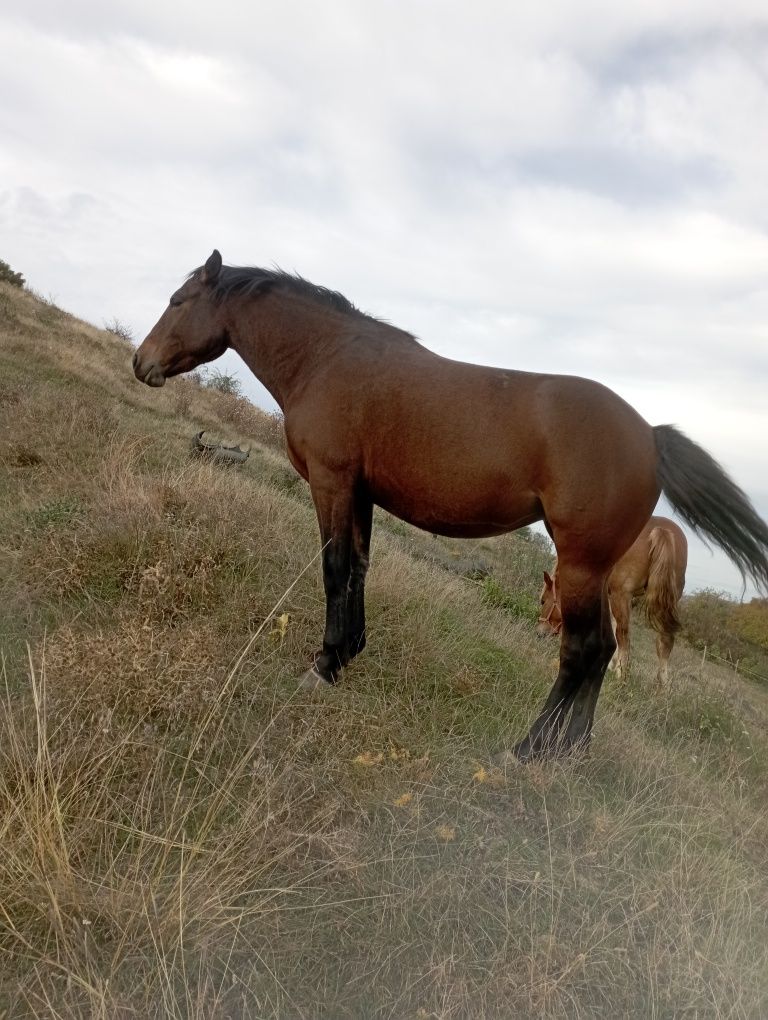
{"x":361,"y":540}
{"x":334,"y":503}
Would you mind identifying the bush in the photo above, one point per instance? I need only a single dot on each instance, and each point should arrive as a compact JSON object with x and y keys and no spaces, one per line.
{"x":536,"y":539}
{"x":707,"y":616}
{"x":215,"y":379}
{"x":734,"y":631}
{"x":263,"y":426}
{"x":7,"y":275}
{"x":750,"y":621}
{"x":118,"y":329}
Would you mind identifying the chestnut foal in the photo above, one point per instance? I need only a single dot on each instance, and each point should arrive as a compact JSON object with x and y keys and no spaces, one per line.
{"x":654,"y":565}
{"x":373,"y":417}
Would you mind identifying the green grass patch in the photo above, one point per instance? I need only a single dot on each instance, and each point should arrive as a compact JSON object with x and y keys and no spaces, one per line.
{"x":55,"y":513}
{"x":518,"y":602}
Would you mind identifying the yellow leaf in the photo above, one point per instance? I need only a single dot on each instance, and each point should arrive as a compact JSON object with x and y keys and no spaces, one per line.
{"x":446,"y":833}
{"x":280,"y":627}
{"x":403,"y":799}
{"x":493,"y":777}
{"x":399,"y":753}
{"x":368,"y":758}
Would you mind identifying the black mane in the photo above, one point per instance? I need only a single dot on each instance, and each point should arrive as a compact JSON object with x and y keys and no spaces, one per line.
{"x":252,"y":280}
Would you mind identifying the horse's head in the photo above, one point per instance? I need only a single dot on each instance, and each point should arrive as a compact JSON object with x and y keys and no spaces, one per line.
{"x":190,"y":331}
{"x":550,"y":619}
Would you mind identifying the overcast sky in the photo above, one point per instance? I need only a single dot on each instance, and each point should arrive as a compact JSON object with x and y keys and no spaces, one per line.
{"x":577,"y":187}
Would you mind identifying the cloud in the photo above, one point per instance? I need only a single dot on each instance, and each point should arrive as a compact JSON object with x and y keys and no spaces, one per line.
{"x":574,"y":188}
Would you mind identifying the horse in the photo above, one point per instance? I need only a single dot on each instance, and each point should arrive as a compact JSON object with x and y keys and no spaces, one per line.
{"x":374,"y":417}
{"x":654,"y":565}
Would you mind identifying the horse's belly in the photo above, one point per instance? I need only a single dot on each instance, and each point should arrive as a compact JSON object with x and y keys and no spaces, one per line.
{"x":460,"y":511}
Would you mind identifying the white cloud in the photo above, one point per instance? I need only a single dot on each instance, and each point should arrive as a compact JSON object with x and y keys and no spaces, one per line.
{"x":580,"y":188}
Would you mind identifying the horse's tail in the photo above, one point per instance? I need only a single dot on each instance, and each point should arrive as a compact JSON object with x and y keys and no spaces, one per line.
{"x":711,"y":503}
{"x":661,"y":593}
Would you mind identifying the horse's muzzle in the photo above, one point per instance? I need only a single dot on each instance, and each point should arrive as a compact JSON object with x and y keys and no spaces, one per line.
{"x":150,"y":374}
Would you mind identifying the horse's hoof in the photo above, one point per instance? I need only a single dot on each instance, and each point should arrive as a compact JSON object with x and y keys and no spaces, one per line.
{"x":312,"y":681}
{"x":525,"y":752}
{"x":575,"y":747}
{"x":505,"y":758}
{"x":521,"y":753}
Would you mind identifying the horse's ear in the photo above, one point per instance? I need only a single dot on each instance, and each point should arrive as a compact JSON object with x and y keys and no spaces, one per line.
{"x":212,"y":268}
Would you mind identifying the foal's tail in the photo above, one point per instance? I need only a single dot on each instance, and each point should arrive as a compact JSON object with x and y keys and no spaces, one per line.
{"x":713,"y":505}
{"x":661,"y":593}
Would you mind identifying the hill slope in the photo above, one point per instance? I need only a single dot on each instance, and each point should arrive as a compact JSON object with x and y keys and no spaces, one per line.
{"x":184,"y":834}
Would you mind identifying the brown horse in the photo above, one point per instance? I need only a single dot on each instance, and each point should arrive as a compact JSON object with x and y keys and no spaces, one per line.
{"x":653,"y":565}
{"x":372,"y":417}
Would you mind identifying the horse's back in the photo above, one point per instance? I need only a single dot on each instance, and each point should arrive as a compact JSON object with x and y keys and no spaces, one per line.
{"x":467,"y":449}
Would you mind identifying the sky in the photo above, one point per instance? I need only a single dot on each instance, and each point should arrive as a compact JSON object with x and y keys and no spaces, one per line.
{"x":580,"y":188}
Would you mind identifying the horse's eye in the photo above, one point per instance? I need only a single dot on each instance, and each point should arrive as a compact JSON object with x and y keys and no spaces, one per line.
{"x":175,"y":301}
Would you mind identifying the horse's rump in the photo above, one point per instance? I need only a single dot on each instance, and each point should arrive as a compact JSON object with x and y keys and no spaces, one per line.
{"x":662,"y":595}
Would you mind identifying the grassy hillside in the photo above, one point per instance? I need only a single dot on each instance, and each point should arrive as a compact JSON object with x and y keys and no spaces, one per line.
{"x":185,"y":835}
{"x":735,"y":632}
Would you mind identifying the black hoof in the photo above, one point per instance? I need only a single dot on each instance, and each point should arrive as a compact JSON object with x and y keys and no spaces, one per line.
{"x":576,"y":745}
{"x":523,"y":752}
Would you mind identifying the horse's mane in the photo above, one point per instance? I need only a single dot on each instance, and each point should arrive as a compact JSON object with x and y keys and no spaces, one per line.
{"x":251,"y":280}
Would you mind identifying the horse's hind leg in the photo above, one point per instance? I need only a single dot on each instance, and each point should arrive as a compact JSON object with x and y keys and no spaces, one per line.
{"x":586,"y":646}
{"x":582,"y":718}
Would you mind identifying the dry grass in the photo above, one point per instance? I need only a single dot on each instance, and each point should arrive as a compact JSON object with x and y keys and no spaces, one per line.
{"x":186,"y":835}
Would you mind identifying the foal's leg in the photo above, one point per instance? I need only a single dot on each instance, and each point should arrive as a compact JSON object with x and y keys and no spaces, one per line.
{"x":334,"y":505}
{"x":615,"y":656}
{"x":621,"y":604}
{"x":583,"y":646}
{"x":664,"y":644}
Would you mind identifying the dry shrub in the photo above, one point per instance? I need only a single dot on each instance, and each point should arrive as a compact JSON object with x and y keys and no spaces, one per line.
{"x":750,"y":620}
{"x":21,"y":455}
{"x":120,"y":330}
{"x":269,"y":429}
{"x":7,"y":275}
{"x":735,"y":631}
{"x":236,"y":410}
{"x":183,"y":397}
{"x":134,"y":671}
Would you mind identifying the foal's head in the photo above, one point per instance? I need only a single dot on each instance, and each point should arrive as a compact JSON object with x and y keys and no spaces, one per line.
{"x":550,"y":619}
{"x":190,"y":331}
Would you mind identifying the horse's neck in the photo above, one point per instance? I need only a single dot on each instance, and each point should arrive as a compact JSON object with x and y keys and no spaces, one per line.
{"x":283,"y":340}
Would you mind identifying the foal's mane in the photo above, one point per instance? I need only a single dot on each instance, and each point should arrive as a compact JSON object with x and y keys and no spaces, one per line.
{"x":251,"y":280}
